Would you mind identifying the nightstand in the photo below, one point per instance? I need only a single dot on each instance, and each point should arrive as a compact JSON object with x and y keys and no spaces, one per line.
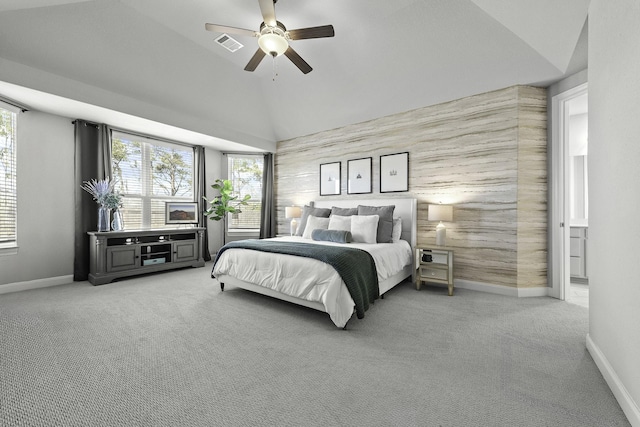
{"x":435,"y":265}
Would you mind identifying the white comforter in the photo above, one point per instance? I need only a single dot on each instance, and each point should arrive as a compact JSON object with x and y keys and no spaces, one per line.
{"x":307,"y":278}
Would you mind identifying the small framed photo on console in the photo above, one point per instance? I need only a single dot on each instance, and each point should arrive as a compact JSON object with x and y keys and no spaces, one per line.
{"x":181,"y":213}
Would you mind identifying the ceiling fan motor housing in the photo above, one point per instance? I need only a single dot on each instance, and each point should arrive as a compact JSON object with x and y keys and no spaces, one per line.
{"x":273,"y":40}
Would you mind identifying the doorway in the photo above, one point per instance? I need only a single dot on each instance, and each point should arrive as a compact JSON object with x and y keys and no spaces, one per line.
{"x":569,"y":198}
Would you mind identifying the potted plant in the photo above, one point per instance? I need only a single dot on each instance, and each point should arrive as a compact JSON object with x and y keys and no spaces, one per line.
{"x":226,"y":203}
{"x":113,"y":201}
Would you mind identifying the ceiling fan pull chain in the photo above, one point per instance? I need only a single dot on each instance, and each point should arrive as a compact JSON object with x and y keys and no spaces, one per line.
{"x":275,"y":68}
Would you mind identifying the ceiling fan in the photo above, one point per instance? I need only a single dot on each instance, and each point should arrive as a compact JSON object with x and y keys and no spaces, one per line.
{"x":274,"y":38}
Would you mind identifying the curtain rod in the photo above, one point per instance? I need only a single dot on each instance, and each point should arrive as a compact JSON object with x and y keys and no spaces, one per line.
{"x":155,"y":138}
{"x":138,"y":134}
{"x":245,"y":153}
{"x":14,"y":104}
{"x":86,"y":123}
{"x":171,"y":141}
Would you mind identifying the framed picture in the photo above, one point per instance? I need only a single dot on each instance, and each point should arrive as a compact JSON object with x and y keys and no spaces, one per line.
{"x":330,"y":178}
{"x":359,"y":173}
{"x":180,"y":213}
{"x":394,"y":172}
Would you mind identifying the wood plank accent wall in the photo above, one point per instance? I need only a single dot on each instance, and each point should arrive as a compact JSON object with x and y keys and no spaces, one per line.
{"x":484,"y":154}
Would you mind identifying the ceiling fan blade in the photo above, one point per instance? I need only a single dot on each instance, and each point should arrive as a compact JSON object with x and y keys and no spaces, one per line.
{"x":232,"y":30}
{"x":312,"y":32}
{"x":297,"y":60}
{"x":255,"y":60}
{"x":268,"y":9}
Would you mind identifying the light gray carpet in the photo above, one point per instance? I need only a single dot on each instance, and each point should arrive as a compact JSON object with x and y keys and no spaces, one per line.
{"x":172,"y":350}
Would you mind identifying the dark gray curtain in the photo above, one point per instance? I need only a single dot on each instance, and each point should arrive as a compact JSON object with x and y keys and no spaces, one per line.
{"x":200,"y":191}
{"x":92,"y":161}
{"x":268,"y":225}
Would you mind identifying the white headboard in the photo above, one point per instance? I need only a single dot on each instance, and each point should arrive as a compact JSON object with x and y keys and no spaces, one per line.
{"x":404,"y":208}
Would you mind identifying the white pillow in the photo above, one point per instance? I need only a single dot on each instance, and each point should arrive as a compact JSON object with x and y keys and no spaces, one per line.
{"x":313,"y":223}
{"x":397,"y":230}
{"x":364,"y":228}
{"x":339,"y":222}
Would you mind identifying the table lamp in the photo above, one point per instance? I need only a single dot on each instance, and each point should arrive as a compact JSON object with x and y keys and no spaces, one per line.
{"x":293,"y":212}
{"x":440,"y":213}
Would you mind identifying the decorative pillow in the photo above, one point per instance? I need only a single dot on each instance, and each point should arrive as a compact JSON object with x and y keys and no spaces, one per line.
{"x":314,"y":223}
{"x":344,"y":211}
{"x":309,"y":210}
{"x":385,"y":224}
{"x":364,"y":228}
{"x":337,"y":236}
{"x":397,"y":229}
{"x":339,"y":222}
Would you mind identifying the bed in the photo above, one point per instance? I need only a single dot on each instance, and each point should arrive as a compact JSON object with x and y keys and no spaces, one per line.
{"x":313,"y":283}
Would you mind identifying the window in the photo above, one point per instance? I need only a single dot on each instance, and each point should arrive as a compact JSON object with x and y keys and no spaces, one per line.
{"x":245,"y":174}
{"x":149,"y":173}
{"x":8,"y":189}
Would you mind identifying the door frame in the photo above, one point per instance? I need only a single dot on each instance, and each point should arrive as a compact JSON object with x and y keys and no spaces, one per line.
{"x":559,"y":219}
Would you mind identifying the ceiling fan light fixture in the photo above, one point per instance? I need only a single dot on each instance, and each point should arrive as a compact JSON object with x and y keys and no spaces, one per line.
{"x":272,"y":43}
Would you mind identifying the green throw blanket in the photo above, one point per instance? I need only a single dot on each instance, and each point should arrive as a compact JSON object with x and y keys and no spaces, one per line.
{"x":355,"y":266}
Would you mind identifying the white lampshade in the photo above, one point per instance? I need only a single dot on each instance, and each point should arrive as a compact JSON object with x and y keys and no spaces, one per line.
{"x":272,"y":43}
{"x":440,"y":213}
{"x":292,"y":212}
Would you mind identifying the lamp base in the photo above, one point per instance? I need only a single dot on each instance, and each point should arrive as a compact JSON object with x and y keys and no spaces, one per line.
{"x":294,"y":227}
{"x":441,"y":234}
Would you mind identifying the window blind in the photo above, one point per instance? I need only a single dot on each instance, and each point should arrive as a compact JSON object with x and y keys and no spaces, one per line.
{"x":245,"y":173}
{"x":8,"y":175}
{"x":149,"y":173}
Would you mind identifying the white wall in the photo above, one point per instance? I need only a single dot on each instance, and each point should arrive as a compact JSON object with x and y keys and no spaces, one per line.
{"x":207,"y":118}
{"x":614,"y":151}
{"x":45,"y":200}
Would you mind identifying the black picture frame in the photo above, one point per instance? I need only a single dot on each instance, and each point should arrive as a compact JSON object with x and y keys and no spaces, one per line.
{"x":359,"y":176}
{"x":330,"y":174}
{"x":394,"y":172}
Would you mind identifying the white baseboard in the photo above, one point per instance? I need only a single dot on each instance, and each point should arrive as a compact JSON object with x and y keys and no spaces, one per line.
{"x":628,"y":405}
{"x":540,"y":291}
{"x":501,"y":290}
{"x":35,"y":284}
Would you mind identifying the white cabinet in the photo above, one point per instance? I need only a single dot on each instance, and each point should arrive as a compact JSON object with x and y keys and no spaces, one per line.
{"x":578,"y":252}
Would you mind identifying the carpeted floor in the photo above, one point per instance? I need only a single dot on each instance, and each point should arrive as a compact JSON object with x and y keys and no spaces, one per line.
{"x":172,"y":350}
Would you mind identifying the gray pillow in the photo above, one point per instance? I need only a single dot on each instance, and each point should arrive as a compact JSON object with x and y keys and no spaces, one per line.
{"x":308,"y":210}
{"x":385,"y":223}
{"x":344,"y":211}
{"x":337,"y":236}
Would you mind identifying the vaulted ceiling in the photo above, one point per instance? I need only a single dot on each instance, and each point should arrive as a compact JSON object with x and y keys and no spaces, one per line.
{"x":137,"y":63}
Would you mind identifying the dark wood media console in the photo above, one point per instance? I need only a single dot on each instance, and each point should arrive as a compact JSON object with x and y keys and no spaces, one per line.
{"x":116,"y":254}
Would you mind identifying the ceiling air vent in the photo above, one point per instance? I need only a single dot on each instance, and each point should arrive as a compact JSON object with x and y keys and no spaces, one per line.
{"x":228,"y":43}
